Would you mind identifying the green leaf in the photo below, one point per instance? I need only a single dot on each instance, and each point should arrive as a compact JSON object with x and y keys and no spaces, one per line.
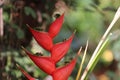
{"x":20,"y":34}
{"x":6,"y":17}
{"x":29,"y":11}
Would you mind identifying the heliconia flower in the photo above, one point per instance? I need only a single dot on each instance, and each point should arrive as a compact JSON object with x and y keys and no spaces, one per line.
{"x":25,"y":73}
{"x":42,"y":38}
{"x":56,"y":26}
{"x":62,"y":73}
{"x":60,"y":49}
{"x":44,"y":63}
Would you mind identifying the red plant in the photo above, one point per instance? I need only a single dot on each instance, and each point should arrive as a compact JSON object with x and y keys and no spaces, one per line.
{"x":44,"y":63}
{"x":42,"y":38}
{"x":56,"y":26}
{"x":58,"y":51}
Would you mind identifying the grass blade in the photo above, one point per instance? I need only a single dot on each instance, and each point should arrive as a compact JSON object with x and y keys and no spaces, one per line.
{"x":81,"y":65}
{"x":116,"y":17}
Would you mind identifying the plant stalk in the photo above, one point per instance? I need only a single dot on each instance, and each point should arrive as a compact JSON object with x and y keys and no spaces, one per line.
{"x":116,"y":17}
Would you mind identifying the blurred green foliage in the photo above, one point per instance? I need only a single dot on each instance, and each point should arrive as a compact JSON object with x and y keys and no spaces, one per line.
{"x":89,"y":18}
{"x":29,"y":11}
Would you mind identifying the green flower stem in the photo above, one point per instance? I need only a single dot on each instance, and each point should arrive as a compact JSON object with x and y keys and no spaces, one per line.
{"x":97,"y":57}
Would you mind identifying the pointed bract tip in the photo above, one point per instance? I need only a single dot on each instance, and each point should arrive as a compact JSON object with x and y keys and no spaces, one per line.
{"x":63,"y":15}
{"x":27,"y":25}
{"x":26,"y":51}
{"x":78,"y":53}
{"x":22,"y":47}
{"x":25,"y":73}
{"x":17,"y":65}
{"x":73,"y":34}
{"x":74,"y":31}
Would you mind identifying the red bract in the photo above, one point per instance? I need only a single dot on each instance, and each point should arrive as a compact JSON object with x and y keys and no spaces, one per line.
{"x":60,"y":49}
{"x":56,"y":26}
{"x":42,"y":38}
{"x":64,"y":72}
{"x":44,"y":63}
{"x":26,"y":74}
